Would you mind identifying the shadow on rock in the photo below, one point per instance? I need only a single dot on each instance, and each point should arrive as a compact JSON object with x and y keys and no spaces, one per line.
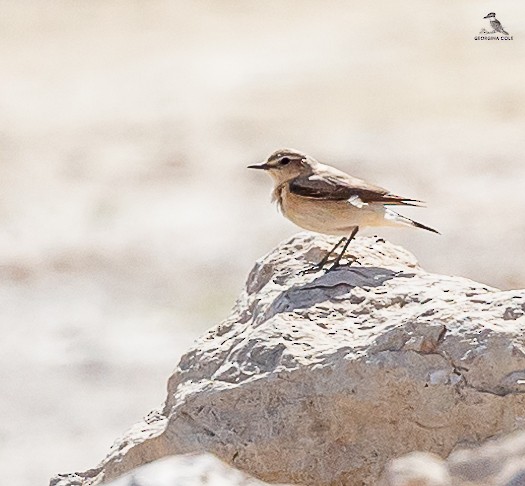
{"x":329,"y":285}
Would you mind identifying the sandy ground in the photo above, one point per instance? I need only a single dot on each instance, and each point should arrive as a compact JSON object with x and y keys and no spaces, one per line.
{"x":128,"y":219}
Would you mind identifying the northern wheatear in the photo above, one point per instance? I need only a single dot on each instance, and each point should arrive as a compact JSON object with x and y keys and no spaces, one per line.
{"x":323,"y":199}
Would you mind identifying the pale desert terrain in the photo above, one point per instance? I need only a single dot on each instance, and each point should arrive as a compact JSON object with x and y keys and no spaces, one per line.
{"x":129,"y":221}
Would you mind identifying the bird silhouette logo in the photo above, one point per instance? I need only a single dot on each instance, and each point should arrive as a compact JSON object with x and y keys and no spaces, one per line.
{"x":495,"y":25}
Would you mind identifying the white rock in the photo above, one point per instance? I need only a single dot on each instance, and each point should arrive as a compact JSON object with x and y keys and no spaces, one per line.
{"x":186,"y":470}
{"x":321,"y":379}
{"x":496,"y":463}
{"x":417,"y":469}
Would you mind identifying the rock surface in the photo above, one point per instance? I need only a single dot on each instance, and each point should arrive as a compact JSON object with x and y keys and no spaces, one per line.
{"x":321,"y":379}
{"x":186,"y":470}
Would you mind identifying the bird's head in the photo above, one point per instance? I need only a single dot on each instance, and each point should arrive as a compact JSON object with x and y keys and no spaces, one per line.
{"x":491,"y":15}
{"x":286,"y":164}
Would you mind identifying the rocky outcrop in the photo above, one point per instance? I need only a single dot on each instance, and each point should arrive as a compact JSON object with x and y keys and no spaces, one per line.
{"x":187,"y":470}
{"x":322,"y":378}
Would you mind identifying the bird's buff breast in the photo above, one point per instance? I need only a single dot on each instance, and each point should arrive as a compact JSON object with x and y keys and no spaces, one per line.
{"x":325,"y":216}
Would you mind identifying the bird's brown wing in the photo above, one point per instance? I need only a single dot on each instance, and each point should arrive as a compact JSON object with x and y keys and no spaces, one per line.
{"x":340,"y":186}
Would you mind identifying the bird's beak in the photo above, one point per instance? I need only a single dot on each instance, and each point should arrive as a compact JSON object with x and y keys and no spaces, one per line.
{"x":486,"y":17}
{"x":263,"y":166}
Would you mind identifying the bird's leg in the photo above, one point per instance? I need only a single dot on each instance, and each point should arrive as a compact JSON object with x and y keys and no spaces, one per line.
{"x":322,"y":263}
{"x":338,"y":259}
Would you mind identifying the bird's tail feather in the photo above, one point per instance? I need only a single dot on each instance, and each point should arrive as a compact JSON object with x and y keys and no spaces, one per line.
{"x":422,"y":226}
{"x":411,"y":222}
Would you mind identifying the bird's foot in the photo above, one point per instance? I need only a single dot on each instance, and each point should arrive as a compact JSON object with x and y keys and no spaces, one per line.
{"x":337,"y":264}
{"x":313,"y":269}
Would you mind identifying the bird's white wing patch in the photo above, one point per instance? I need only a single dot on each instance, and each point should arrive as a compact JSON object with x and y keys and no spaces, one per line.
{"x":357,"y":202}
{"x":391,"y":215}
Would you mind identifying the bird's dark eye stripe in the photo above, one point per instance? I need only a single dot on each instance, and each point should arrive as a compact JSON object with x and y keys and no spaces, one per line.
{"x":284,"y":161}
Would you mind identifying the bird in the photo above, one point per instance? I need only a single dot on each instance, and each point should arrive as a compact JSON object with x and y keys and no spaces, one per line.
{"x":495,"y":23}
{"x":320,"y":198}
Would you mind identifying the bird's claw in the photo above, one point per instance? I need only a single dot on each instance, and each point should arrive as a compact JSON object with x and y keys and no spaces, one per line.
{"x":336,"y":264}
{"x":313,"y":269}
{"x":351,"y":260}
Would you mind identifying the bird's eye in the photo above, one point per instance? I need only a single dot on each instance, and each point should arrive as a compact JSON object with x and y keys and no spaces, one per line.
{"x":284,"y":161}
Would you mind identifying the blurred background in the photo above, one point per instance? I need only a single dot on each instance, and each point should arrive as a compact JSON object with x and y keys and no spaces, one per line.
{"x":129,"y":220}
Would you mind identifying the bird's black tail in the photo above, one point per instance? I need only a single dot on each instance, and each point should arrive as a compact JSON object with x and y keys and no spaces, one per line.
{"x":411,"y":222}
{"x":422,"y":226}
